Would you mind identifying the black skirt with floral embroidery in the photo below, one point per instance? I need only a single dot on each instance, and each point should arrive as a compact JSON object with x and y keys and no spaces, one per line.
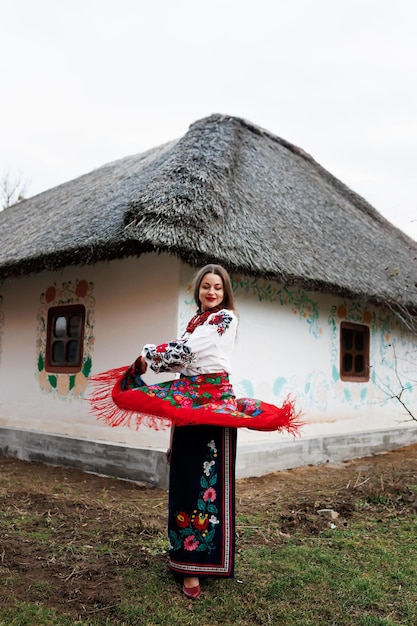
{"x":201,"y":524}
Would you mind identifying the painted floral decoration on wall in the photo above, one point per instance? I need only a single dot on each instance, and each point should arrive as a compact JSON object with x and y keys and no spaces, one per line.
{"x":388,"y":334}
{"x":298,"y":300}
{"x":300,"y":303}
{"x":77,"y":292}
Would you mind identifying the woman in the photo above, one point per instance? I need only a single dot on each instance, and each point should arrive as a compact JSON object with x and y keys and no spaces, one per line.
{"x":204,"y":414}
{"x":202,"y":458}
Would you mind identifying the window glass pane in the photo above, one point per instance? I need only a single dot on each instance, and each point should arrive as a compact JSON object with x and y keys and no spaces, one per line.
{"x":354,"y":352}
{"x":60,"y":326}
{"x":58,"y":352}
{"x":74,"y":324}
{"x":359,"y":364}
{"x":359,"y":342}
{"x":72,"y":352}
{"x":347,"y":363}
{"x":64,"y":344}
{"x":348,"y":339}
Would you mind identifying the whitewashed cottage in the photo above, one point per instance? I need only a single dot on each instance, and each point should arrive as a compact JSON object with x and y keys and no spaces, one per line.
{"x":93,"y":269}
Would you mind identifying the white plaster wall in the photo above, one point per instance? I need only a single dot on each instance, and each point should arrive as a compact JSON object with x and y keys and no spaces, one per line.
{"x":136,"y":302}
{"x":283,"y":349}
{"x":285,"y":345}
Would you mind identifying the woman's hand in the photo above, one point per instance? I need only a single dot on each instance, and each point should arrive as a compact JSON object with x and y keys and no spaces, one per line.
{"x":142,"y":365}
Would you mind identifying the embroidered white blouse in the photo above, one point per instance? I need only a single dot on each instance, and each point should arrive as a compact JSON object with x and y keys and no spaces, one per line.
{"x":208,"y":349}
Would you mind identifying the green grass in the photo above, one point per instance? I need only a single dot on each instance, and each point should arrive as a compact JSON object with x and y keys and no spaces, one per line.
{"x":364,"y":574}
{"x":85,"y":556}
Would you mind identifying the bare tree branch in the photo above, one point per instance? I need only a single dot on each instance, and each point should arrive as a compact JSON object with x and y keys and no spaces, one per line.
{"x":405,"y":316}
{"x":392,"y":395}
{"x":12,"y":190}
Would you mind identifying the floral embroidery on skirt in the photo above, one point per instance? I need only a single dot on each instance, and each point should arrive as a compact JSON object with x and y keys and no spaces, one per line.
{"x":201,"y":525}
{"x":196,"y":529}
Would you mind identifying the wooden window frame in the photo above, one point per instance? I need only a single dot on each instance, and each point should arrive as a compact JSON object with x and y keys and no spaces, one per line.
{"x":64,"y":311}
{"x":352,"y":376}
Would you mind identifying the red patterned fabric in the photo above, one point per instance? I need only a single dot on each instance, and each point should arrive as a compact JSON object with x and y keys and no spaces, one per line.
{"x":189,"y":400}
{"x":121,"y":396}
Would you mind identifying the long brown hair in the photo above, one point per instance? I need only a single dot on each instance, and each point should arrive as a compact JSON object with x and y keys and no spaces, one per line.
{"x":228,"y":297}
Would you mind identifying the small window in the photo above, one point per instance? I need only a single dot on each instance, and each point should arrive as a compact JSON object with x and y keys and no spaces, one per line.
{"x":354,"y":352}
{"x":65,"y":336}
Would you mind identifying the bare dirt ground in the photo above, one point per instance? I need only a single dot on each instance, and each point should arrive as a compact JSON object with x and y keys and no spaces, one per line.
{"x":52,"y":519}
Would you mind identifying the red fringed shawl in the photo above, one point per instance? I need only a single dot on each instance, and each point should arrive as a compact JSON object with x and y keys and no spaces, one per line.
{"x":121,"y":397}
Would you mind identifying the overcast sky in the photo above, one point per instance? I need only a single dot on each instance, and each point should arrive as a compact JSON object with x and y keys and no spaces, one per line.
{"x":87,"y":82}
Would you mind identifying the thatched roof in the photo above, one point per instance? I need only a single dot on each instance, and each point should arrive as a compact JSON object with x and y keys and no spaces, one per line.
{"x":227,"y":192}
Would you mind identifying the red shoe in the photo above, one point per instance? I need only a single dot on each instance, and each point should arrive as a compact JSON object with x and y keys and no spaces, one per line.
{"x":191,"y":592}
